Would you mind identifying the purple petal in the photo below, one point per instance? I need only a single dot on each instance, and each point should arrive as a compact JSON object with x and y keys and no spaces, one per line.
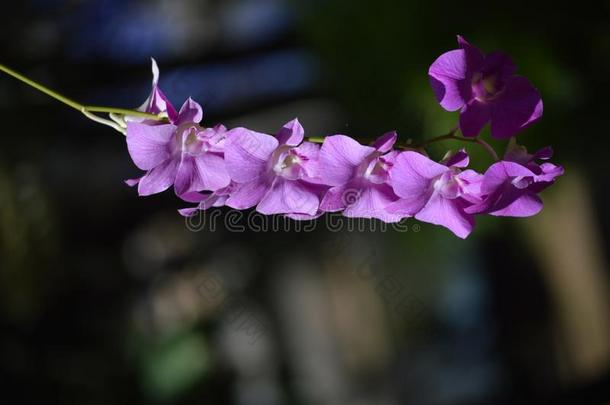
{"x":188,"y":212}
{"x":158,"y":179}
{"x":500,"y":65}
{"x":448,"y":76}
{"x":544,"y":153}
{"x":305,"y":217}
{"x":187,"y":177}
{"x":473,"y":118}
{"x":406,"y":207}
{"x":447,"y":213}
{"x":194,"y":197}
{"x":212,"y":172}
{"x":132,"y":182}
{"x":471,"y":183}
{"x":474,"y":56}
{"x":339,"y":157}
{"x":337,"y":197}
{"x":457,"y":159}
{"x":156,"y":102}
{"x":385,"y":142}
{"x":501,"y":172}
{"x":502,"y":197}
{"x":550,"y":172}
{"x":289,"y":197}
{"x":247,"y":195}
{"x":191,"y":111}
{"x":410,"y":177}
{"x":247,"y":153}
{"x":309,"y":153}
{"x":148,"y":145}
{"x":372,"y":203}
{"x":516,"y":203}
{"x":291,"y":134}
{"x":519,"y":106}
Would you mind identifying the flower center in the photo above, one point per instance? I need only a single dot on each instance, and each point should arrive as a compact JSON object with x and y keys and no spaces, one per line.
{"x":486,"y":87}
{"x":447,"y":185}
{"x":521,"y":182}
{"x":285,"y":162}
{"x":187,"y":139}
{"x":374,"y":168}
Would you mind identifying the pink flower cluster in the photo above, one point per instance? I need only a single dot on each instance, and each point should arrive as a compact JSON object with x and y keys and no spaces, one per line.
{"x":288,"y":175}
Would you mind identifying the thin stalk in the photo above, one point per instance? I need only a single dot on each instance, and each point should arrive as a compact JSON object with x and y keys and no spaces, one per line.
{"x":451,"y":136}
{"x":74,"y":104}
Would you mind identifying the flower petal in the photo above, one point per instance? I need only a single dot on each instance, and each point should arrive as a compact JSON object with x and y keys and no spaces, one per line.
{"x":411,"y":174}
{"x":448,"y":74}
{"x":516,"y":203}
{"x":473,"y":118}
{"x":458,"y":159}
{"x":188,"y":212}
{"x":247,"y":195}
{"x":291,"y":134}
{"x":447,"y":213}
{"x":132,"y":182}
{"x":187,"y":176}
{"x":498,"y":64}
{"x":519,"y":106}
{"x":289,"y":197}
{"x":212,"y":171}
{"x":148,"y":145}
{"x":336,"y":198}
{"x":385,"y":142}
{"x":501,"y":172}
{"x":339,"y":157}
{"x":191,"y":111}
{"x":158,"y":179}
{"x":474,"y":56}
{"x":372,"y":203}
{"x":156,"y":102}
{"x":247,"y":153}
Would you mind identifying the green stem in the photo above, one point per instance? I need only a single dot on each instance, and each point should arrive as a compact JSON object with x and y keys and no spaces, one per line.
{"x":74,"y":104}
{"x":316,"y":139}
{"x":451,"y":135}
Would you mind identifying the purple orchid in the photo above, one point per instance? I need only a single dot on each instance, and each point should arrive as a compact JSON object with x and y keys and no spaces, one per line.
{"x":511,"y":187}
{"x":484,"y":88}
{"x":359,"y":176}
{"x":180,"y":153}
{"x":435,"y":193}
{"x":275,"y":174}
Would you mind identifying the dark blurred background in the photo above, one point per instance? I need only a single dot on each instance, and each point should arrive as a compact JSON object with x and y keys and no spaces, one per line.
{"x":107,"y":298}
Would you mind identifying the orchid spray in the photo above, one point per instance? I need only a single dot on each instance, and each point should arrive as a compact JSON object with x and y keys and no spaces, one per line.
{"x":304,"y":177}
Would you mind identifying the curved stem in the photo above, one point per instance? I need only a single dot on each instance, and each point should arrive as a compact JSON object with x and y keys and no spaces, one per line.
{"x":100,"y":120}
{"x":75,"y":104}
{"x":487,"y":148}
{"x":451,"y":135}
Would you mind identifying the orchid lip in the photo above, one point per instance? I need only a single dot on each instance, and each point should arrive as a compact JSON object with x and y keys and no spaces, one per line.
{"x":486,"y":87}
{"x":373,"y":168}
{"x":286,"y":163}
